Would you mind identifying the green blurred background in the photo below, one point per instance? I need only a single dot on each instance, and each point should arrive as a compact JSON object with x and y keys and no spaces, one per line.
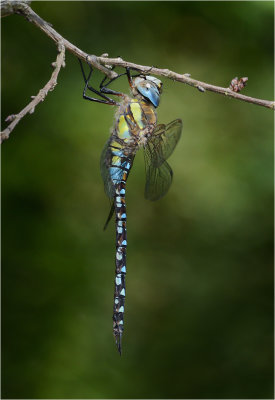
{"x":199,"y":307}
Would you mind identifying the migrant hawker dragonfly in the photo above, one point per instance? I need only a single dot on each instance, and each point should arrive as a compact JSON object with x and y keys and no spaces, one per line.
{"x":135,"y":127}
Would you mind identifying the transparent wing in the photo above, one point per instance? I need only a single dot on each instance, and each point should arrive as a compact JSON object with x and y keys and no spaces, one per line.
{"x":111,"y":213}
{"x":159,"y":174}
{"x":158,"y":179}
{"x":105,"y":163}
{"x":111,"y":173}
{"x":164,"y":140}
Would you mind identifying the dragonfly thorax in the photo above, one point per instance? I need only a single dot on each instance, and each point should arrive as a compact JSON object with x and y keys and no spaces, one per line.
{"x":148,"y":87}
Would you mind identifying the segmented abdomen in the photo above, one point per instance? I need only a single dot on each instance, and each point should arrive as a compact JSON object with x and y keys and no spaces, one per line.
{"x":121,"y":245}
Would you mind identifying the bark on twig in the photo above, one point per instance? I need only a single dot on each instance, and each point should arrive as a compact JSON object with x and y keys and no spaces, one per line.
{"x":9,"y":7}
{"x":103,"y":63}
{"x":185,"y":78}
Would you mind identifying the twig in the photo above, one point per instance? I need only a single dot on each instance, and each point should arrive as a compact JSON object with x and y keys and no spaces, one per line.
{"x":9,"y":7}
{"x":103,"y":63}
{"x":50,"y":85}
{"x":185,"y":78}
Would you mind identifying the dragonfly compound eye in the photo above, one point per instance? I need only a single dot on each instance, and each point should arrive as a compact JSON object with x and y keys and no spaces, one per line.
{"x":149,"y":90}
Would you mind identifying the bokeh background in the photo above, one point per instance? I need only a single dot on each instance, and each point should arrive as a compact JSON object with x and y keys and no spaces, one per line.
{"x":199,"y":307}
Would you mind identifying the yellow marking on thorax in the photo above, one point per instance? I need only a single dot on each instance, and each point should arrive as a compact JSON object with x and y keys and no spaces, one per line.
{"x":137,"y":114}
{"x":123,"y":129}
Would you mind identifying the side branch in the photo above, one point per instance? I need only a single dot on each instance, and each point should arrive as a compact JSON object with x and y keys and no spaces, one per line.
{"x":22,"y":8}
{"x":104,"y":63}
{"x":60,"y":62}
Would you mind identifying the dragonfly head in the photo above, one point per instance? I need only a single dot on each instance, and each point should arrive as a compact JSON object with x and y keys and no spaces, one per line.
{"x":149,"y":87}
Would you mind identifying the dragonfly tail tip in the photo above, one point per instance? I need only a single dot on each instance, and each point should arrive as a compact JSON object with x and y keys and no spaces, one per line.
{"x":118,"y":343}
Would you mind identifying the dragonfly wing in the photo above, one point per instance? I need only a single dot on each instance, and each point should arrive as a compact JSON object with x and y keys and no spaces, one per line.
{"x":105,"y":164}
{"x":159,"y":147}
{"x":111,"y":213}
{"x":164,"y":140}
{"x":158,"y":179}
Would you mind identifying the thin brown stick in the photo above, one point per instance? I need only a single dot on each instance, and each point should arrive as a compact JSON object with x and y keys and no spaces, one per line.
{"x":9,"y":7}
{"x":185,"y":78}
{"x":104,"y":63}
{"x":50,"y":85}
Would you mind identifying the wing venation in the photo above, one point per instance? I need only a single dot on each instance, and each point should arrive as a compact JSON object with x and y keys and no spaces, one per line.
{"x":159,"y":147}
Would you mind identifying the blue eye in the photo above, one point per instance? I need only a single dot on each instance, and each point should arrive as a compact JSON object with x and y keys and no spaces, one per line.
{"x":150,"y":93}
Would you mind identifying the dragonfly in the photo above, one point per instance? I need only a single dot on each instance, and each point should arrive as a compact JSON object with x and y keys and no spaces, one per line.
{"x":135,"y":126}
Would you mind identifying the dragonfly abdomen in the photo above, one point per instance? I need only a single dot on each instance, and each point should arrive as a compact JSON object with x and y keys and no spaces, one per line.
{"x":121,"y":245}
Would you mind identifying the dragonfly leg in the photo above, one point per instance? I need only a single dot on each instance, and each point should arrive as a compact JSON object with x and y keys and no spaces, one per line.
{"x":103,"y":85}
{"x":130,"y":80}
{"x":130,"y":77}
{"x":104,"y":99}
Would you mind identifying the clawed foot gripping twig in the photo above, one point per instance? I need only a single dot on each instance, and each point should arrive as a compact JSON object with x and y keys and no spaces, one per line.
{"x":105,"y":64}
